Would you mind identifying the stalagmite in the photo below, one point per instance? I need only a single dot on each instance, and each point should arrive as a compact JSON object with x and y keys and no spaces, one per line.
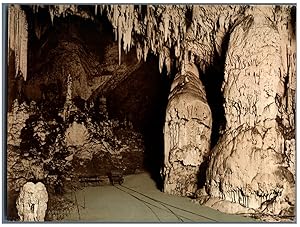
{"x":250,"y":152}
{"x":32,"y":202}
{"x":187,"y":133}
{"x":69,"y":96}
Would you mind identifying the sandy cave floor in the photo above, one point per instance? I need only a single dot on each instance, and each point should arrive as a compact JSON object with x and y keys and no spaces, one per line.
{"x":138,"y":200}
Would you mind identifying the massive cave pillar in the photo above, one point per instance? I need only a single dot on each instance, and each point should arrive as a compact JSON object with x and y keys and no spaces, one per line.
{"x":187,"y":133}
{"x":251,"y":165}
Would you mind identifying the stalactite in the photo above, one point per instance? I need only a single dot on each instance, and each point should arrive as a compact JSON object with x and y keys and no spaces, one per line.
{"x":168,"y":20}
{"x":18,"y":38}
{"x":51,"y":12}
{"x":163,"y":26}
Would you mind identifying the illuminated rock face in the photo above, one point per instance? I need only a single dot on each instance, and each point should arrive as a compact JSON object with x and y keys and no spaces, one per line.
{"x":251,"y":164}
{"x":32,"y":202}
{"x":187,"y":133}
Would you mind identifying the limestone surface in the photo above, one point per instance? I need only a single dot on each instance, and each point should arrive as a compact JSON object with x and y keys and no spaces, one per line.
{"x":187,"y":133}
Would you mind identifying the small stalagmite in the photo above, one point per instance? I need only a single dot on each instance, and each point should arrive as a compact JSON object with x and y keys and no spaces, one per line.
{"x":187,"y":133}
{"x":32,"y":202}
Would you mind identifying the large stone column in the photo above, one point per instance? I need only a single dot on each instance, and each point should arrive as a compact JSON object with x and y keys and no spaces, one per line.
{"x":250,"y":165}
{"x":187,"y":133}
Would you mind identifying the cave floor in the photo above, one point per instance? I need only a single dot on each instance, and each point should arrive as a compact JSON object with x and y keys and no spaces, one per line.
{"x":139,"y":200}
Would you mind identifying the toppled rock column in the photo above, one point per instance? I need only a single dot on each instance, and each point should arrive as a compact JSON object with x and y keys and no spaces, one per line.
{"x":249,"y":165}
{"x":187,"y":133}
{"x":32,"y":202}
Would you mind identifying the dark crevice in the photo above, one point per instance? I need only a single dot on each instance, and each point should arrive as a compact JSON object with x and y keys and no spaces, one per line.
{"x":142,"y":99}
{"x":293,"y":20}
{"x":202,"y":173}
{"x":188,"y":17}
{"x":212,"y":80}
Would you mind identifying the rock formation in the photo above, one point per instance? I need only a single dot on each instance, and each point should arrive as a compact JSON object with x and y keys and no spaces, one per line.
{"x":16,"y":121}
{"x":18,"y":39}
{"x":187,"y":133}
{"x":249,"y":165}
{"x":32,"y":202}
{"x":76,"y":134}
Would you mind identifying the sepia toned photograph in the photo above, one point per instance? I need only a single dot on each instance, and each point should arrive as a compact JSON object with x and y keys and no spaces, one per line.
{"x":149,"y":113}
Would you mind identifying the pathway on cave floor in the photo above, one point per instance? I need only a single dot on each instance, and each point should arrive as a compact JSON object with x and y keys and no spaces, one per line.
{"x":138,"y":200}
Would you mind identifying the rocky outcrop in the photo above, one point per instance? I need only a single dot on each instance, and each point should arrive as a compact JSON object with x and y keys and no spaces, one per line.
{"x":187,"y":133}
{"x":32,"y":202}
{"x":250,"y":165}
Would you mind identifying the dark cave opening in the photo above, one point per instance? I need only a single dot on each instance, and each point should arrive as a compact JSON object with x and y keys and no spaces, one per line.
{"x":142,"y":99}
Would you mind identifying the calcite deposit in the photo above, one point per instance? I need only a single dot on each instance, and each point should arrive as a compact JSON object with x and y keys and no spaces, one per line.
{"x":32,"y":202}
{"x":18,"y":39}
{"x":250,"y":165}
{"x":186,"y":132}
{"x":16,"y":120}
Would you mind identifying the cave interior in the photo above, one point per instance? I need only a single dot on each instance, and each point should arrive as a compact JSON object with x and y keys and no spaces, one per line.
{"x":88,"y":107}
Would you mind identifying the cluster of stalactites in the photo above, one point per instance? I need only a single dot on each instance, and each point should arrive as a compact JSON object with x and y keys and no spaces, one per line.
{"x":18,"y":38}
{"x":62,"y":10}
{"x":160,"y":29}
{"x":165,"y":30}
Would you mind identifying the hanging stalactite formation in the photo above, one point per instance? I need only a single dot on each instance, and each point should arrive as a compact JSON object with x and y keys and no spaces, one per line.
{"x":18,"y":39}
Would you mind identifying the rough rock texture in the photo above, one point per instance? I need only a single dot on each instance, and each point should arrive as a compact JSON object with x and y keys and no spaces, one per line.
{"x":32,"y":202}
{"x":16,"y":121}
{"x":250,"y":165}
{"x":187,"y":133}
{"x":76,"y":134}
